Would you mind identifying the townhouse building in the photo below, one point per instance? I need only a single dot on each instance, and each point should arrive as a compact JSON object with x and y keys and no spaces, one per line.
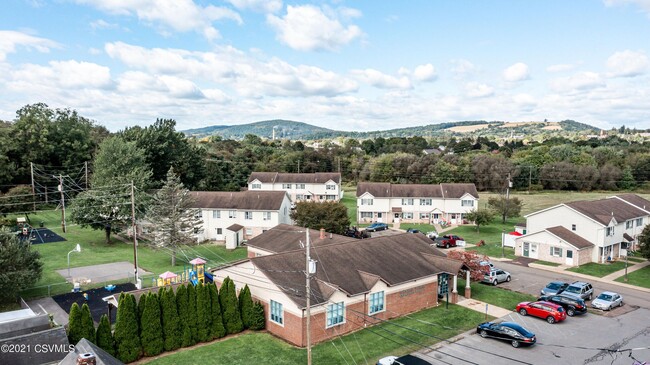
{"x":318,"y":186}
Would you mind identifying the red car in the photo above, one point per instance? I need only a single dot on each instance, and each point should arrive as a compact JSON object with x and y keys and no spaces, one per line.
{"x":547,"y":310}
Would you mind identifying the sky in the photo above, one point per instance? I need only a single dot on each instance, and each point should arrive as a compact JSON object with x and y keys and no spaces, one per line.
{"x":346,"y":65}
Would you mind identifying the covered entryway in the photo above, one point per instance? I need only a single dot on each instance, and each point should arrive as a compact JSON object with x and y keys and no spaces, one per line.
{"x":569,"y":257}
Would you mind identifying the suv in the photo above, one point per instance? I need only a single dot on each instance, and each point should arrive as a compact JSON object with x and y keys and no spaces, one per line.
{"x":579,"y":289}
{"x":496,"y":276}
{"x":554,"y":287}
{"x":550,"y":311}
{"x":571,"y":304}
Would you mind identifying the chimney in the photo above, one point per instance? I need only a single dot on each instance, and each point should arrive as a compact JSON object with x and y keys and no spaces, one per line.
{"x":86,"y":359}
{"x":322,"y":233}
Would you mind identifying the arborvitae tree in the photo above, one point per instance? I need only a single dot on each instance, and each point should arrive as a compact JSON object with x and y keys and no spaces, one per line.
{"x":246,"y":306}
{"x":191,"y":312}
{"x":142,"y":304}
{"x":170,"y":321}
{"x":74,"y":324}
{"x":151,"y":333}
{"x":217,"y":330}
{"x":87,"y":324}
{"x":259,"y":320}
{"x":127,"y":340}
{"x":230,"y":307}
{"x":203,"y":313}
{"x":104,"y":336}
{"x":183,"y":307}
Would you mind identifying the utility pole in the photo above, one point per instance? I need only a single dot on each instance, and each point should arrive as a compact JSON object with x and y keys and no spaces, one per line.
{"x":507,"y":198}
{"x":86,"y":174}
{"x":135,"y":238}
{"x":308,"y":296}
{"x":31,"y":165}
{"x":62,"y":203}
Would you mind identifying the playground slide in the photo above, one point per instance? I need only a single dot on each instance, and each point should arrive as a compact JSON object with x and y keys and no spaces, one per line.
{"x":208,"y":277}
{"x":194,"y":281}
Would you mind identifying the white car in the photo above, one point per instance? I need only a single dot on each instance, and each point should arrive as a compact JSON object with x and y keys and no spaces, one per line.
{"x":607,"y":300}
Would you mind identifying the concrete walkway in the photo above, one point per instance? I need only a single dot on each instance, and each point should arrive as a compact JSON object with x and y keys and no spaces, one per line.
{"x":619,"y":273}
{"x":482,"y":307}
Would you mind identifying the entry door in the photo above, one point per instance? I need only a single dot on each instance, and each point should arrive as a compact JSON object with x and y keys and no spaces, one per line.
{"x":533,"y":251}
{"x":436,"y":218}
{"x":380,"y":217}
{"x":526,"y":252}
{"x":569,"y":257}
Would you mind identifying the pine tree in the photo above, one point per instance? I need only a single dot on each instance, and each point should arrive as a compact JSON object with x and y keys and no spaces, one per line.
{"x":74,"y":324}
{"x":246,"y":306}
{"x":151,"y":333}
{"x":191,"y":312}
{"x":170,"y":320}
{"x":182,"y":305}
{"x":230,"y":307}
{"x":142,"y":304}
{"x":127,"y":340}
{"x":259,"y":320}
{"x":87,"y":324}
{"x":217,"y":330}
{"x":104,"y":336}
{"x":203,"y":317}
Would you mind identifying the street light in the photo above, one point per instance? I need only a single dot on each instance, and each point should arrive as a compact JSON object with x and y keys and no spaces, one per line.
{"x":76,"y":249}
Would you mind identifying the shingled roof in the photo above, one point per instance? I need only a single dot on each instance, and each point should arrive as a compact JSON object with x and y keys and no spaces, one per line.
{"x":603,"y":210}
{"x":570,"y":237}
{"x":355,"y":267}
{"x":249,"y":200}
{"x":387,"y":190}
{"x":303,"y":178}
{"x":285,"y":237}
{"x":635,"y":200}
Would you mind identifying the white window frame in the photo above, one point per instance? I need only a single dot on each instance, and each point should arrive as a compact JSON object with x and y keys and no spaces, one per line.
{"x":375,"y":300}
{"x":216,"y":214}
{"x":407,"y":215}
{"x":574,"y":227}
{"x":366,"y":214}
{"x":232,"y":214}
{"x":338,"y":310}
{"x":249,"y":232}
{"x":556,"y":251}
{"x":609,"y":231}
{"x":330,"y":187}
{"x":219,"y":230}
{"x":300,"y":196}
{"x":407,"y":201}
{"x":467,"y":203}
{"x":266,"y":216}
{"x":256,"y":186}
{"x":639,"y":222}
{"x":286,"y":186}
{"x":368,"y":201}
{"x":300,"y":186}
{"x":428,"y":201}
{"x":276,"y":313}
{"x":629,"y":224}
{"x":424,"y":216}
{"x":248,"y":215}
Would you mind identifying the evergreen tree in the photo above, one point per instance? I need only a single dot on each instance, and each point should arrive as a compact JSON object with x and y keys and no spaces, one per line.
{"x":183,"y":307}
{"x":191,"y":312}
{"x":217,"y":330}
{"x":74,"y":324}
{"x":203,"y":317}
{"x":170,"y":321}
{"x":104,"y":336}
{"x":246,"y":306}
{"x":127,"y":340}
{"x":142,"y":304}
{"x":230,"y":307}
{"x":258,"y":321}
{"x":151,"y":332}
{"x":87,"y":324}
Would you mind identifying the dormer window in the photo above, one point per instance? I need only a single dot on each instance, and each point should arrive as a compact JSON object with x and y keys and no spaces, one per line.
{"x":609,"y":231}
{"x":256,"y":186}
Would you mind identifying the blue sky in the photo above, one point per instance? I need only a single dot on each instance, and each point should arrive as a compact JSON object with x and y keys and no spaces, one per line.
{"x":346,"y":65}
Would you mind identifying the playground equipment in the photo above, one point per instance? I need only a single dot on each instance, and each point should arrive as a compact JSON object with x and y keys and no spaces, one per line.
{"x":194,"y":274}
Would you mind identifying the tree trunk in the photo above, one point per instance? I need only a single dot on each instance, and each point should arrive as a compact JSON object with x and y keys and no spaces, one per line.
{"x":107,"y":229}
{"x":173,"y":257}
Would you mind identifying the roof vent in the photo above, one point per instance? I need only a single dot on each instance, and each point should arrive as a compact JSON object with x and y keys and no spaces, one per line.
{"x":86,"y":359}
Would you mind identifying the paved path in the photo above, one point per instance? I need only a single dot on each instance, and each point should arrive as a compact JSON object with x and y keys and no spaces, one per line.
{"x":619,"y":273}
{"x":479,"y":306}
{"x":102,"y":273}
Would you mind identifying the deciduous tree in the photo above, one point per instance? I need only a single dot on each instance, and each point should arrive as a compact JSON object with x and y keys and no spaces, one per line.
{"x":333,"y":216}
{"x":21,"y":267}
{"x":472,"y":260}
{"x":506,"y":208}
{"x":480,"y":218}
{"x":644,"y":242}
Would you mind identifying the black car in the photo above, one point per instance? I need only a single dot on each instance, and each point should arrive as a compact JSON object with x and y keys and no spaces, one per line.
{"x":571,"y":304}
{"x":507,"y":331}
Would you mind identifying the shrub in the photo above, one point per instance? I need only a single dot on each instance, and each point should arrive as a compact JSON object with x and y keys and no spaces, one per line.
{"x":191,"y":312}
{"x":258,"y":321}
{"x":170,"y":319}
{"x":87,"y":324}
{"x":104,"y":336}
{"x":246,"y":306}
{"x":203,"y":317}
{"x":127,"y":340}
{"x":151,"y":328}
{"x":217,"y":330}
{"x":182,"y":305}
{"x":74,"y":324}
{"x":230,"y":307}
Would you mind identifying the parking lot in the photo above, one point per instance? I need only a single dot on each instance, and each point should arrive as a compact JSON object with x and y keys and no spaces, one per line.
{"x":578,"y":340}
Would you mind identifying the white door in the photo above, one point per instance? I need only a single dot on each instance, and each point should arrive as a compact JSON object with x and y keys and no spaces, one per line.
{"x":533,"y":251}
{"x":569,"y":257}
{"x":380,"y":217}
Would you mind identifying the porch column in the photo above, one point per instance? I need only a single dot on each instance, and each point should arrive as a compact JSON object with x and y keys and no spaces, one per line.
{"x":454,"y":292}
{"x":468,"y":289}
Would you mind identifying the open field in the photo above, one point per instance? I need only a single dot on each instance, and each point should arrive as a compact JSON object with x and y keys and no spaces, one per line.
{"x":600,"y":270}
{"x":640,"y":277}
{"x":467,"y":128}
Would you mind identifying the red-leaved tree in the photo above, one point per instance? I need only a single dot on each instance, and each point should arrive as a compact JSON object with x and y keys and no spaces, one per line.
{"x":472,"y":260}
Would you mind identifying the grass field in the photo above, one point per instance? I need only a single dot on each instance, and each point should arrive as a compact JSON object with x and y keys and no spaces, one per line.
{"x":640,"y":277}
{"x":497,"y":296}
{"x":363,"y":347}
{"x":350,"y":202}
{"x":547,"y":263}
{"x":600,"y":270}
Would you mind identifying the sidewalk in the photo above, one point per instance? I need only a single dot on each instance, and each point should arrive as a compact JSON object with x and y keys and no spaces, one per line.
{"x":479,"y":306}
{"x":619,"y":273}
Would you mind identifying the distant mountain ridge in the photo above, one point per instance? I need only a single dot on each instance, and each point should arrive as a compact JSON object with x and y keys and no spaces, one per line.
{"x":288,"y":129}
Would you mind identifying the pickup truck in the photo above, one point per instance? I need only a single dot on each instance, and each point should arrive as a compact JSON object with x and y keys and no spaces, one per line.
{"x":449,"y":240}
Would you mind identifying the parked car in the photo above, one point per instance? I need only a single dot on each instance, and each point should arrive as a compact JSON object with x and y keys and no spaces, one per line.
{"x":507,"y":331}
{"x":580,"y":289}
{"x":542,"y":309}
{"x":377,"y":227}
{"x":607,"y":300}
{"x":448,"y":240}
{"x":496,"y":276}
{"x":554,"y":287}
{"x":433,"y":235}
{"x":571,"y":304}
{"x":413,"y":230}
{"x":405,"y":360}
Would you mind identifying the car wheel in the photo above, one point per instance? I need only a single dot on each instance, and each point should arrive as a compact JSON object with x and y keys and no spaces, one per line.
{"x":590,"y":296}
{"x":483,"y":334}
{"x":550,"y":319}
{"x":515,"y":343}
{"x":523,"y":312}
{"x":570,"y":312}
{"x":495,"y":282}
{"x":507,"y":278}
{"x":447,"y":245}
{"x":609,"y":308}
{"x":620,"y":304}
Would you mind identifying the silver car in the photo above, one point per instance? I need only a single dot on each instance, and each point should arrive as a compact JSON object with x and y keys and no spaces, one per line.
{"x":496,"y":276}
{"x":607,"y":300}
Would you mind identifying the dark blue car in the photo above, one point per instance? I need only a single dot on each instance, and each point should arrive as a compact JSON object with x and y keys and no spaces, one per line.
{"x":377,"y":227}
{"x":507,"y":331}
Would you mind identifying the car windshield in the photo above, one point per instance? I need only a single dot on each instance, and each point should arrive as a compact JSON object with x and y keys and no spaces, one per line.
{"x":605,"y":297}
{"x":572,"y":289}
{"x":554,"y":286}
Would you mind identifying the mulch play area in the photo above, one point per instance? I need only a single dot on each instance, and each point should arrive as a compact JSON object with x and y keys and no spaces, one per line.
{"x":95,"y":302}
{"x":40,"y":235}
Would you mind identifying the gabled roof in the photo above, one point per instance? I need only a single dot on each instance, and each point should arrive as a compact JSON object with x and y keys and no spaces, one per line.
{"x":570,"y":237}
{"x":354,"y":267}
{"x":285,"y":237}
{"x":242,"y":200}
{"x":604,"y":210}
{"x":387,"y":190}
{"x":235,"y":227}
{"x":83,"y":347}
{"x":303,"y":178}
{"x":635,"y":200}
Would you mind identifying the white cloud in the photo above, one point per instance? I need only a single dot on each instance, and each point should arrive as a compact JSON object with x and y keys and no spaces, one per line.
{"x":579,"y":82}
{"x":65,"y":74}
{"x":517,"y":72}
{"x":643,"y":4}
{"x":425,"y":73}
{"x":381,"y":80}
{"x":478,"y":90}
{"x":461,"y":68}
{"x":10,"y":40}
{"x":627,"y":64}
{"x":179,"y":15}
{"x":308,"y":28}
{"x":103,"y":24}
{"x":262,"y":6}
{"x":560,"y":68}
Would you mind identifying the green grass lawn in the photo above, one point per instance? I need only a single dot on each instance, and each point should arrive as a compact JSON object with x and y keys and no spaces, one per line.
{"x":363,"y":347}
{"x":350,"y":202}
{"x":599,"y":270}
{"x":496,"y":295}
{"x":640,"y":277}
{"x":491,"y":234}
{"x":636,"y":259}
{"x":547,"y":263}
{"x":95,"y":251}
